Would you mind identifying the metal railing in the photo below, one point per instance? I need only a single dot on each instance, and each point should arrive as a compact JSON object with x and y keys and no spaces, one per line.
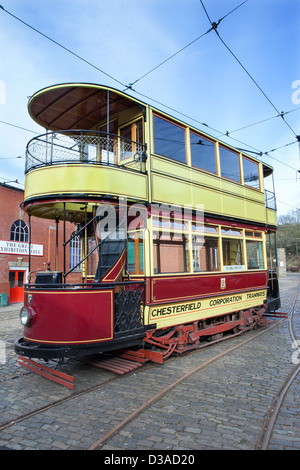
{"x":270,"y":200}
{"x":74,"y":146}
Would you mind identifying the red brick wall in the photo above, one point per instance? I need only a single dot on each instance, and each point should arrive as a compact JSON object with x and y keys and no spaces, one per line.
{"x":41,"y":234}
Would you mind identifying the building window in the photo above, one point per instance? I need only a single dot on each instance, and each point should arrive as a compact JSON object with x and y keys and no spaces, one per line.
{"x":203,"y":153}
{"x":19,"y":231}
{"x":169,"y":139}
{"x":75,"y":251}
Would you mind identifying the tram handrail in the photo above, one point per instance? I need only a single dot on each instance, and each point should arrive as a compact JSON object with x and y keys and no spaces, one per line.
{"x":89,"y":285}
{"x":93,"y":249}
{"x":75,"y":145}
{"x":270,"y":200}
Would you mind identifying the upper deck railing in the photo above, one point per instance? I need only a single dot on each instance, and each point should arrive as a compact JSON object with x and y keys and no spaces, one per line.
{"x":270,"y":200}
{"x":82,"y":146}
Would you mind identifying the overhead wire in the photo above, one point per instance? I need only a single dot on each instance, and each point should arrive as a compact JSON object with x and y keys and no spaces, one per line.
{"x":129,"y":86}
{"x":63,"y":47}
{"x":261,"y":121}
{"x":19,"y":127}
{"x":214,"y":26}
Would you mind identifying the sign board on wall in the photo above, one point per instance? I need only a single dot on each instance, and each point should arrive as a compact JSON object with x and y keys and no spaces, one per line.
{"x":20,"y":248}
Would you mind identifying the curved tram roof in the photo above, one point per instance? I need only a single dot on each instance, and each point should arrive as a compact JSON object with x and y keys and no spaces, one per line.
{"x":82,"y":106}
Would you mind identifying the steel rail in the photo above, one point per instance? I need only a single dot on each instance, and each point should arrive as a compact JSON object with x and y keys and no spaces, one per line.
{"x":264,"y":437}
{"x":100,"y":442}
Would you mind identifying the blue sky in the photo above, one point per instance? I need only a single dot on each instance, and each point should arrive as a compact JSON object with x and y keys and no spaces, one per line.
{"x":126,"y":39}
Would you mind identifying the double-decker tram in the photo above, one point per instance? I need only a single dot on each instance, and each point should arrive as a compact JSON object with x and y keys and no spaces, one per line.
{"x":174,"y":231}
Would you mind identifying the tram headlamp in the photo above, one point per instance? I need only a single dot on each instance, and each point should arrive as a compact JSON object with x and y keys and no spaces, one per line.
{"x":26,"y":316}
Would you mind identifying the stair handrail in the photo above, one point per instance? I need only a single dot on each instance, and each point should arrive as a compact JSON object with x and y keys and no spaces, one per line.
{"x":93,"y":249}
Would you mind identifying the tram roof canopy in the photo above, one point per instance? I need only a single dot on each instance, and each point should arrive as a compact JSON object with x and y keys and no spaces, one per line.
{"x":71,"y":106}
{"x":76,"y":105}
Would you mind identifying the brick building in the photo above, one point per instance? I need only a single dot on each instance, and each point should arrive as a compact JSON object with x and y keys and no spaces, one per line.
{"x":14,"y":237}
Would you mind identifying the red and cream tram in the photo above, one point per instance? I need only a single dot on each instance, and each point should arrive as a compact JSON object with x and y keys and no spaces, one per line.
{"x":174,"y":231}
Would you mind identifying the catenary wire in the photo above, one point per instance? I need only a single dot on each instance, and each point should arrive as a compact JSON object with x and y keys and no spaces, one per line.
{"x":19,"y":127}
{"x":129,"y":86}
{"x":215,"y":25}
{"x":283,"y":113}
{"x":63,"y":47}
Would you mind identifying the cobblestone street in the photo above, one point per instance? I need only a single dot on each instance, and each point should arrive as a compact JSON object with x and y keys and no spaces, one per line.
{"x":222,"y":406}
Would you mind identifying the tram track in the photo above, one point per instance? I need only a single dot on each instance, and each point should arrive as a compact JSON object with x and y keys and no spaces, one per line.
{"x":272,"y":413}
{"x":99,"y":443}
{"x":264,"y":436}
{"x":148,"y":403}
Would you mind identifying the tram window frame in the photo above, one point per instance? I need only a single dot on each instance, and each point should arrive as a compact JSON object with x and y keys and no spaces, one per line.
{"x":231,"y":232}
{"x":228,"y":160}
{"x":252,"y":263}
{"x":137,"y":261}
{"x":211,"y":257}
{"x":253,"y":234}
{"x":131,"y":132}
{"x":249,"y":162}
{"x":159,"y":147}
{"x":207,"y":228}
{"x":238,"y":265}
{"x":164,"y":240}
{"x":171,"y":222}
{"x":200,"y":161}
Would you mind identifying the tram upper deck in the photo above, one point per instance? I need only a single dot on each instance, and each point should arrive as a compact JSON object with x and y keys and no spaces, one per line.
{"x":103,"y":143}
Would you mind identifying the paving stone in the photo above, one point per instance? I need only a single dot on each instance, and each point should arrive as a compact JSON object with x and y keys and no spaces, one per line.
{"x":220,"y":407}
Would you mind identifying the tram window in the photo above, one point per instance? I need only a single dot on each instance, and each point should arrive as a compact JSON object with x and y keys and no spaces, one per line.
{"x":249,"y":233}
{"x":230,"y":164}
{"x":206,"y":228}
{"x":169,"y":139}
{"x":232,"y":254}
{"x":133,"y":131}
{"x":135,"y":254}
{"x":251,"y":174}
{"x":205,"y":254}
{"x":170,"y":253}
{"x":203,"y":153}
{"x":169,"y":223}
{"x":231,"y":231}
{"x":254,"y":254}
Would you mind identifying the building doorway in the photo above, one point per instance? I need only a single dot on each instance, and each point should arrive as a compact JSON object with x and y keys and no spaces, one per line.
{"x":16,"y":284}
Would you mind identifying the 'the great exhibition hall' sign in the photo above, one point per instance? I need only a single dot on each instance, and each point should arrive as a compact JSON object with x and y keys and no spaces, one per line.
{"x":20,"y":248}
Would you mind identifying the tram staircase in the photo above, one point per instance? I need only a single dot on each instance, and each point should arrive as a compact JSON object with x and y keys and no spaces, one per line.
{"x":110,"y":248}
{"x":110,"y":252}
